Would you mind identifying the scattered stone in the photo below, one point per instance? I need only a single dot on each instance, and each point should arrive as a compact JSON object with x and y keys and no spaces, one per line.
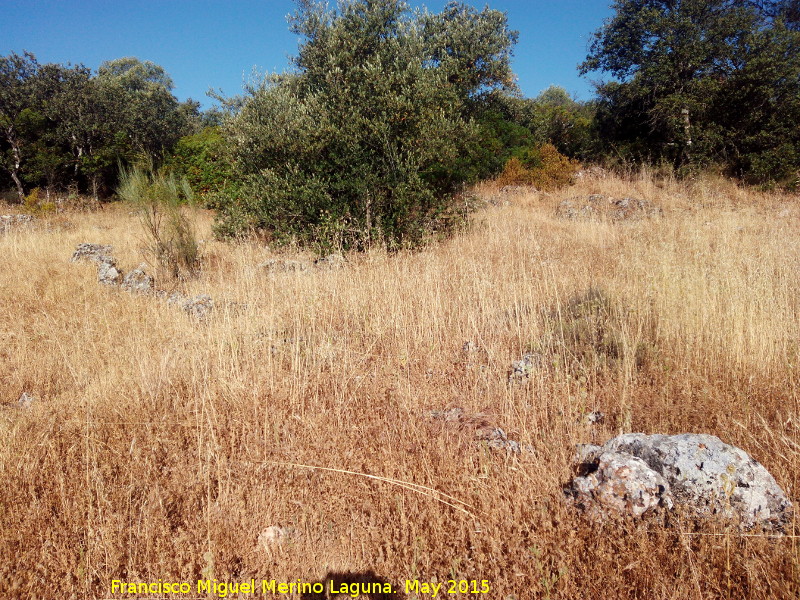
{"x":593,"y":172}
{"x":138,"y":281}
{"x":480,"y":429}
{"x":275,"y":536}
{"x":522,"y":369}
{"x":281,"y":265}
{"x":599,"y":206}
{"x":702,"y":474}
{"x":451,"y":415}
{"x":330,"y":262}
{"x":592,"y":418}
{"x":93,"y":252}
{"x":634,"y":209}
{"x":469,"y":347}
{"x":496,"y":438}
{"x":198,"y":307}
{"x":620,"y":484}
{"x":518,"y":190}
{"x":9,"y":222}
{"x":107,"y":272}
{"x":25,"y":400}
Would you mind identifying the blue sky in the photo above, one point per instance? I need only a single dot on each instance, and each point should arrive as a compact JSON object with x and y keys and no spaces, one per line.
{"x":206,"y":44}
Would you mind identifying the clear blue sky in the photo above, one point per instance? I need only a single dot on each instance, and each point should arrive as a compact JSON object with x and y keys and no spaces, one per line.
{"x":206,"y":44}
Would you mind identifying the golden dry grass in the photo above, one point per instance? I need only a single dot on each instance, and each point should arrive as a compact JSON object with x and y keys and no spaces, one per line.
{"x":159,"y":446}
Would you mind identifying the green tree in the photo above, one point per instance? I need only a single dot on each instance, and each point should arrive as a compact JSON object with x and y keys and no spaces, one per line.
{"x":365,"y":140}
{"x":680,"y":67}
{"x":17,"y":112}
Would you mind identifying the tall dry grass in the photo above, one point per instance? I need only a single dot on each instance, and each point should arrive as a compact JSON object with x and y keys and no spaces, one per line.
{"x":160,"y":447}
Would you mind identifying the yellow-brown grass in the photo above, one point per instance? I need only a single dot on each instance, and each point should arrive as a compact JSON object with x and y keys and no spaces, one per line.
{"x":160,"y":447}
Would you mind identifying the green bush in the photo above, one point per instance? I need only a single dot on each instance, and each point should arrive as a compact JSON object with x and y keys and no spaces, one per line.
{"x":159,"y":197}
{"x":366,"y":142}
{"x":200,"y":159}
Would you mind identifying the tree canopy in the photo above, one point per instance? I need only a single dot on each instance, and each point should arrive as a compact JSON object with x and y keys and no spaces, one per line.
{"x":370,"y":137}
{"x":701,"y":81}
{"x":63,"y":125}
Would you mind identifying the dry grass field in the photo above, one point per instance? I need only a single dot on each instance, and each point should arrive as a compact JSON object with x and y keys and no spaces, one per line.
{"x":160,"y":447}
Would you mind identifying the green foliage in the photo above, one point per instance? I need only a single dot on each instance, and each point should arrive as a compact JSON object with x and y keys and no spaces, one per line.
{"x":158,"y":197}
{"x":371,"y":138}
{"x":701,"y":82}
{"x":200,"y":159}
{"x":62,"y":126}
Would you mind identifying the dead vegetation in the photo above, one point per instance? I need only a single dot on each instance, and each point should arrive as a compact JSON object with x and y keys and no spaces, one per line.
{"x":162,"y":447}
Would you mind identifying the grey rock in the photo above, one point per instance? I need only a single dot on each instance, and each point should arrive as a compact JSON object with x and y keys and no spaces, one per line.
{"x":198,"y":307}
{"x":586,"y":453}
{"x":522,"y":369}
{"x":331,"y":261}
{"x":633,"y":209}
{"x":711,"y":477}
{"x":138,"y":281}
{"x":107,"y":272}
{"x":599,"y":206}
{"x":176,"y":299}
{"x":451,"y":415}
{"x":25,"y":400}
{"x":281,"y":265}
{"x":9,"y":222}
{"x":92,"y":252}
{"x":619,"y":484}
{"x":592,"y":418}
{"x":497,"y":439}
{"x":699,"y":472}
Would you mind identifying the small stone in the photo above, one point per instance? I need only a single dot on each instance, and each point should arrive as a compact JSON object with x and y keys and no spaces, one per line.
{"x":522,"y":369}
{"x":9,"y":222}
{"x":451,"y":415}
{"x":199,"y":307}
{"x":274,"y":536}
{"x":25,"y":400}
{"x":138,"y":281}
{"x":469,"y":346}
{"x":331,"y":261}
{"x":92,"y":252}
{"x":280,"y":265}
{"x":107,"y":272}
{"x":592,"y":418}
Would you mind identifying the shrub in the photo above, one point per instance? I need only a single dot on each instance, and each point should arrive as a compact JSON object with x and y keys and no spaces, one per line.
{"x":543,"y":167}
{"x":365,"y":142}
{"x":200,"y":159}
{"x":158,"y":197}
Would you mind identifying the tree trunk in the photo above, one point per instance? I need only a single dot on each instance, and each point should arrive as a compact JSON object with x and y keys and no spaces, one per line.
{"x":17,"y":152}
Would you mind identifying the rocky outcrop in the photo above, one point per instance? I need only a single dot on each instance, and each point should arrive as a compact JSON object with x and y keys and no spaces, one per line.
{"x":288,"y":265}
{"x":138,"y":281}
{"x":700,"y":473}
{"x":107,"y":271}
{"x":597,"y":207}
{"x":92,"y":252}
{"x":281,"y":265}
{"x":10,"y":222}
{"x":198,"y":307}
{"x":331,"y":261}
{"x":612,"y":482}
